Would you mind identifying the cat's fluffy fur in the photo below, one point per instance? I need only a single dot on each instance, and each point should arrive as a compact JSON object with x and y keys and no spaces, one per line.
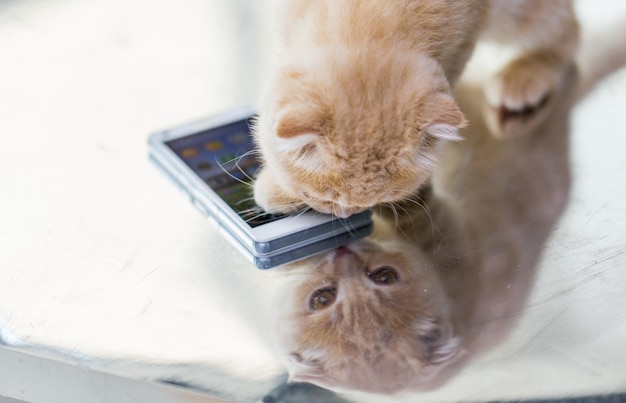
{"x":362,"y":98}
{"x":461,"y":265}
{"x":372,"y":337}
{"x":604,"y":53}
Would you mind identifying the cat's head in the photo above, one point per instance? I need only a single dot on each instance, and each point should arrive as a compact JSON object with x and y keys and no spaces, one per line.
{"x":370,"y":317}
{"x":344,"y":130}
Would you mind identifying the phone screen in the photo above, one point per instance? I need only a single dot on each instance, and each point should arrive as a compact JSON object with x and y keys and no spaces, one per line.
{"x":224,"y":159}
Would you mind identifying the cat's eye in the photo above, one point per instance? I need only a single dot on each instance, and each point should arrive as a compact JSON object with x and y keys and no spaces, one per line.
{"x":383,"y":276}
{"x":322,"y":298}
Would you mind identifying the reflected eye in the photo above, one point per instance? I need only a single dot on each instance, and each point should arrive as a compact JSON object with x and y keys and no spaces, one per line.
{"x":383,"y":276}
{"x":322,"y":298}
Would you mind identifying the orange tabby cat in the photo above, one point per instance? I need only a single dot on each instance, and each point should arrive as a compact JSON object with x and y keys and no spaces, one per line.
{"x":354,"y":115}
{"x":444,"y":280}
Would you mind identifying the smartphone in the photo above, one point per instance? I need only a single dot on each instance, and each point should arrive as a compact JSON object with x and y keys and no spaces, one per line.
{"x":214,"y":162}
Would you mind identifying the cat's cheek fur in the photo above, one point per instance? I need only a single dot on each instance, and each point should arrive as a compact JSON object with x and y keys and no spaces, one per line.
{"x":271,"y":197}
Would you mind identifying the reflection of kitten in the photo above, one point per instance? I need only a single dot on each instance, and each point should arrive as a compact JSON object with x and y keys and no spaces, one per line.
{"x":405,"y":308}
{"x":353,"y":116}
{"x":368,"y":318}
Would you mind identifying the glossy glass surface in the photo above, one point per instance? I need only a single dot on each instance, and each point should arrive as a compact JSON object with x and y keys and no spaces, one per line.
{"x":105,"y":266}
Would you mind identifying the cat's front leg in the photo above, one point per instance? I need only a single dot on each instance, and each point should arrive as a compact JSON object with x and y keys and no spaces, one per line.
{"x":547,"y":34}
{"x":519,"y":96}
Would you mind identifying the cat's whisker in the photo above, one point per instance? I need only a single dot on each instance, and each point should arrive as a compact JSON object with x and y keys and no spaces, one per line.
{"x":396,"y":219}
{"x":300,"y":209}
{"x":247,"y":200}
{"x":394,"y":207}
{"x":255,"y":210}
{"x":255,"y":217}
{"x":231,"y":175}
{"x":418,"y":201}
{"x":346,"y":224}
{"x":250,"y":153}
{"x":237,"y":167}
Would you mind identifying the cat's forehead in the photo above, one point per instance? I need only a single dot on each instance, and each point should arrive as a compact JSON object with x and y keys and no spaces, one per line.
{"x":353,"y":87}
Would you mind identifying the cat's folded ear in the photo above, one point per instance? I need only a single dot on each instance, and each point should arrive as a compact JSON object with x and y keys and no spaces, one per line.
{"x":293,"y":122}
{"x":446,"y":118}
{"x":439,"y":346}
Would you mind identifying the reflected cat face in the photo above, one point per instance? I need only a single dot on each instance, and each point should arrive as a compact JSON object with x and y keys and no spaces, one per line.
{"x":371,"y":316}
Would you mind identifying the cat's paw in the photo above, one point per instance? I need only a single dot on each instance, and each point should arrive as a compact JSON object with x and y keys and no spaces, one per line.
{"x":519,"y":96}
{"x":271,"y":197}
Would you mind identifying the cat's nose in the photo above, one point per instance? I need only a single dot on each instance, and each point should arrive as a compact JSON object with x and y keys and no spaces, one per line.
{"x":343,"y":251}
{"x":344,"y":260}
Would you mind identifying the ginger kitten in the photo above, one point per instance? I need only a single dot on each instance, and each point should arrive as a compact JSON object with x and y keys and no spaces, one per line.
{"x":356,"y":112}
{"x":443,"y":277}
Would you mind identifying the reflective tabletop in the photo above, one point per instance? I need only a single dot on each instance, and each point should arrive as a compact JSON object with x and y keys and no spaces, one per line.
{"x":114,"y":288}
